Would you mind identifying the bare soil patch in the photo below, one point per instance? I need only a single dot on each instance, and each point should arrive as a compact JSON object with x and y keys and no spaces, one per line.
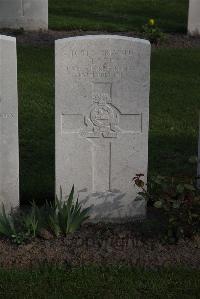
{"x":133,"y":244}
{"x":47,"y":38}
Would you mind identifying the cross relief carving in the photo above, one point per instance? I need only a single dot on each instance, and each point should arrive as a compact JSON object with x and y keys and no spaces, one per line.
{"x":103,"y":120}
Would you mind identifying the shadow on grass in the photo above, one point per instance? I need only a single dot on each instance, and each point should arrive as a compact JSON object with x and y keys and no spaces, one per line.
{"x":167,"y":156}
{"x":173,"y":116}
{"x":117,"y":15}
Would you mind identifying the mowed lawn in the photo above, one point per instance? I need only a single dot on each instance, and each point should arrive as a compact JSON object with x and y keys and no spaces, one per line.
{"x":117,"y":15}
{"x":92,"y":282}
{"x":174,"y":105}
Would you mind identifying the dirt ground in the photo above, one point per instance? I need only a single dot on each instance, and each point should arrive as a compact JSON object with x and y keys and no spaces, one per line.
{"x":102,"y":244}
{"x":47,"y":38}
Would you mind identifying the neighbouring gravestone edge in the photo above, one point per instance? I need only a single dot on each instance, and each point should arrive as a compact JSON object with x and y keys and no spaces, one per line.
{"x":31,"y":15}
{"x":7,"y":38}
{"x":193,"y":26}
{"x":9,"y":182}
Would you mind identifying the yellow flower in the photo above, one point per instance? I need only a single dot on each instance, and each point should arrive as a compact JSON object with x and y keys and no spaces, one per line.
{"x":151,"y":22}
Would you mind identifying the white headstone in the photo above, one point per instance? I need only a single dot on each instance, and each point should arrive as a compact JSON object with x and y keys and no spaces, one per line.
{"x":194,"y":17}
{"x":102,"y":121}
{"x":27,"y":14}
{"x":9,"y":152}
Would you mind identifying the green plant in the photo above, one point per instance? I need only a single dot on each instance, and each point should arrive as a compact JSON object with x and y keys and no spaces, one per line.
{"x":7,"y":227}
{"x":10,"y":226}
{"x":18,"y":227}
{"x":60,"y":217}
{"x":30,"y":221}
{"x":48,"y":218}
{"x":69,"y":214}
{"x":19,"y":238}
{"x":53,"y":221}
{"x":54,"y":224}
{"x":178,"y":198}
{"x":152,"y":32}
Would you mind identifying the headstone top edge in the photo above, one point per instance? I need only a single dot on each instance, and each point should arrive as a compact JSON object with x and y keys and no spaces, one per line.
{"x":7,"y":38}
{"x":99,"y":37}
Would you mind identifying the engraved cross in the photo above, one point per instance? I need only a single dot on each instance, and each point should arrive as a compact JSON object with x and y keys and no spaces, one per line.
{"x":102,"y":125}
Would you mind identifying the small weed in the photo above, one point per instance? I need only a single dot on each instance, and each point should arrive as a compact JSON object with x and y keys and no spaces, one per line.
{"x":178,"y":198}
{"x":152,"y":32}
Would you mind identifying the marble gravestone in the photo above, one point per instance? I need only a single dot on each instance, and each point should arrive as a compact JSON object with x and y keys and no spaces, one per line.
{"x":194,"y":17}
{"x":102,"y":121}
{"x":26,"y":14}
{"x":9,"y":149}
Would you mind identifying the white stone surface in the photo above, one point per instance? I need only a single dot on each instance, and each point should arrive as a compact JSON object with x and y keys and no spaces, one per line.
{"x":102,"y":121}
{"x":194,"y":17}
{"x":27,"y":14}
{"x":9,"y":149}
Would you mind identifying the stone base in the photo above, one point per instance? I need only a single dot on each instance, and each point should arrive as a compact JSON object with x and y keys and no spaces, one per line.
{"x":114,"y":207}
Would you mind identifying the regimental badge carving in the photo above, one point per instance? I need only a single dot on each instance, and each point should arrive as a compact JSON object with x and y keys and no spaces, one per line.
{"x":102,"y":119}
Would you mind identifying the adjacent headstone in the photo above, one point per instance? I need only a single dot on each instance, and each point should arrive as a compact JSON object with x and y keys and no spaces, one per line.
{"x":26,"y":14}
{"x":198,"y":161}
{"x":9,"y":149}
{"x":102,"y":121}
{"x":194,"y":17}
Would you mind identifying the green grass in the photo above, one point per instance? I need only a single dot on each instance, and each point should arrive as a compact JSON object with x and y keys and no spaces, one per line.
{"x":91,"y":282}
{"x":174,"y":105}
{"x":117,"y":15}
{"x":36,"y":123}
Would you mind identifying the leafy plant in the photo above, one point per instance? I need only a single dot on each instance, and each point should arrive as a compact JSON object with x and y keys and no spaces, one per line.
{"x":53,"y":220}
{"x":30,"y":221}
{"x":54,"y":225}
{"x":152,"y":32}
{"x":178,"y":198}
{"x":70,"y":214}
{"x":19,"y":238}
{"x":7,"y":227}
{"x":62,"y":216}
